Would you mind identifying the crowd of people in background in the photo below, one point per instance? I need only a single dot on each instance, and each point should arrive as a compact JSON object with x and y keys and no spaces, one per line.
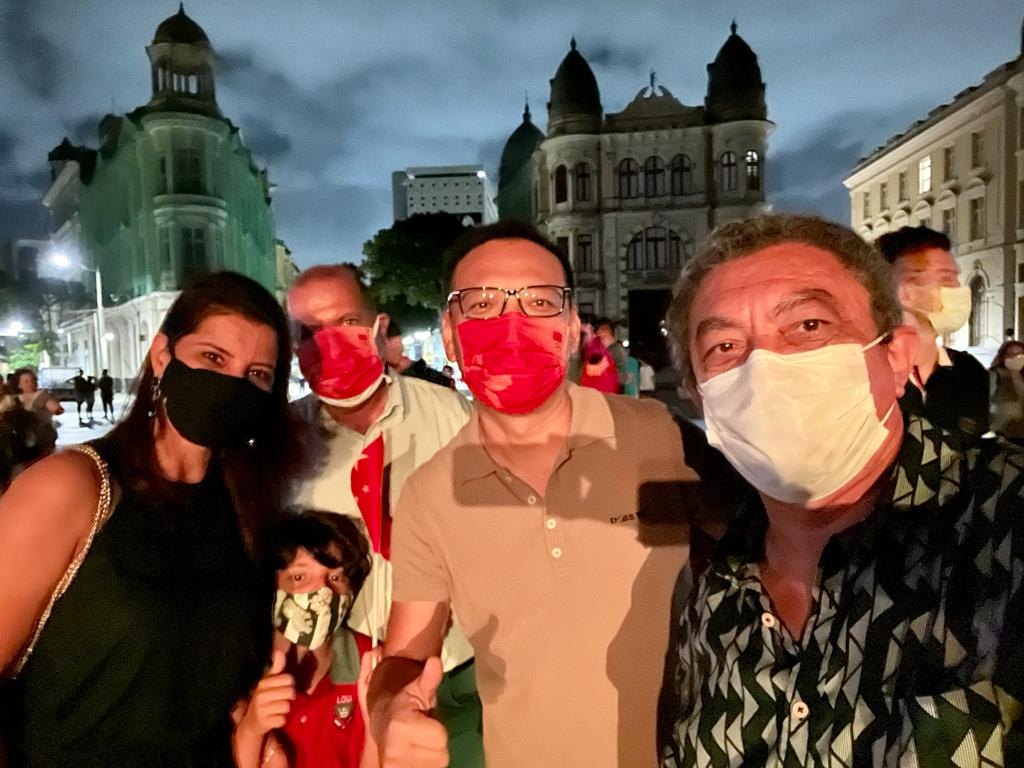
{"x":28,"y":427}
{"x":554,"y":570}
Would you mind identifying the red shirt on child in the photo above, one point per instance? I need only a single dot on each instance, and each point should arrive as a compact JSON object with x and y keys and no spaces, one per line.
{"x":325,"y":728}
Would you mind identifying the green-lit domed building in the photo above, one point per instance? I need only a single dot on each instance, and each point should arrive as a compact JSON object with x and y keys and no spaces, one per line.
{"x":169,"y":193}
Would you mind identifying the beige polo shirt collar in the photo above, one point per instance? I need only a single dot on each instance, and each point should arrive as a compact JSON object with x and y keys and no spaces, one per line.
{"x":591,"y":421}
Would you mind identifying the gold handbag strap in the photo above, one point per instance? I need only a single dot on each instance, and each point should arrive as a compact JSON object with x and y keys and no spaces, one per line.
{"x":99,"y":518}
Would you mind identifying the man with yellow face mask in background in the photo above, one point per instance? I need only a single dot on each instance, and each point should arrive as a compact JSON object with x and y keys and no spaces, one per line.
{"x":950,"y":387}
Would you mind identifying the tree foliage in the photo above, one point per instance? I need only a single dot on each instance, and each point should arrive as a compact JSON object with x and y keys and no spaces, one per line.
{"x":403,"y":262}
{"x":39,"y":304}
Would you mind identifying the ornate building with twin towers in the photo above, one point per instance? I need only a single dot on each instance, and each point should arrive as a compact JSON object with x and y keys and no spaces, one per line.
{"x":627,"y":195}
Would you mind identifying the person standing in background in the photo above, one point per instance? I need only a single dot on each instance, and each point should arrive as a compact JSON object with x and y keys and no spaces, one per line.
{"x":81,"y":387}
{"x":1007,"y":391}
{"x":647,"y":382}
{"x":90,"y":397}
{"x":948,"y":387}
{"x":604,"y":329}
{"x":632,"y":387}
{"x":43,"y":406}
{"x":106,"y":387}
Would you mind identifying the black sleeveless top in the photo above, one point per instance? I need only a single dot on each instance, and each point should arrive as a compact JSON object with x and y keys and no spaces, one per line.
{"x":163,"y":629}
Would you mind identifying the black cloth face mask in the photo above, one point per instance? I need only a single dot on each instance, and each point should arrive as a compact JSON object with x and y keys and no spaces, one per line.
{"x":209,"y":408}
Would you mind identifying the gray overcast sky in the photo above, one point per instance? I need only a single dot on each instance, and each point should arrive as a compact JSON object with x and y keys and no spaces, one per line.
{"x":332,"y":95}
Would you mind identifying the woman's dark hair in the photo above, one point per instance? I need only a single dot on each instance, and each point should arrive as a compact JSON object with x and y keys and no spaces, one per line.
{"x":257,"y":476}
{"x":997,"y":361}
{"x":333,"y":540}
{"x":17,"y":378}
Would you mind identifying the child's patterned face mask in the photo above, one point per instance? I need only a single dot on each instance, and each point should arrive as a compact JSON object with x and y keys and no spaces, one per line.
{"x":310,"y":618}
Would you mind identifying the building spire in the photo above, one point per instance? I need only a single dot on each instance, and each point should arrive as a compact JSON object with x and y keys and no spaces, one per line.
{"x":181,"y":7}
{"x":732,"y":26}
{"x":572,"y":43}
{"x":653,"y":80}
{"x":526,"y":109}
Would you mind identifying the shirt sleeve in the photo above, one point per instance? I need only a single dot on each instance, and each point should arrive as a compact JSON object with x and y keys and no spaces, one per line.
{"x":418,"y":570}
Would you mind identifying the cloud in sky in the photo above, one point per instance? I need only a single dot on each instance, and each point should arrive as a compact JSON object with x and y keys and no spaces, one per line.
{"x":335,"y":94}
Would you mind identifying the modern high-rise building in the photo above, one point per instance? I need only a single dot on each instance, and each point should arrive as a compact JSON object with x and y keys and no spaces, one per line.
{"x":464,"y":190}
{"x":170,"y":193}
{"x":628,"y":194}
{"x":960,"y":170}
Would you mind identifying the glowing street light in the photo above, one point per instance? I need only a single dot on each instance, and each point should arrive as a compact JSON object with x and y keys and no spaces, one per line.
{"x":61,"y":260}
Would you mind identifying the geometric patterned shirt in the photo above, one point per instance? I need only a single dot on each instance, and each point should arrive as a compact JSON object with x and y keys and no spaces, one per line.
{"x":913,"y":655}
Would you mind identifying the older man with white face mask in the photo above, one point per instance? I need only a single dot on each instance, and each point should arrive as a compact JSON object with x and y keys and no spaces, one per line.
{"x":867,"y":610}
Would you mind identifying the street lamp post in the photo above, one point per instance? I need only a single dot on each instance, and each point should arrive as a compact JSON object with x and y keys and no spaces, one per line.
{"x":61,"y":261}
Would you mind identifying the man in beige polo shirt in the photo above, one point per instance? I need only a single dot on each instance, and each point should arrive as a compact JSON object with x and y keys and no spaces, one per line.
{"x":528,"y":525}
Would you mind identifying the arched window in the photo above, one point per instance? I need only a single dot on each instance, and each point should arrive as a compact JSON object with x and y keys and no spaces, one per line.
{"x":976,"y":324}
{"x":629,"y":179}
{"x":727,"y":175}
{"x":680,"y":248}
{"x":654,"y":177}
{"x":561,"y":184}
{"x":582,"y":174}
{"x":658,"y":248}
{"x":753,"y":161}
{"x":681,"y":172}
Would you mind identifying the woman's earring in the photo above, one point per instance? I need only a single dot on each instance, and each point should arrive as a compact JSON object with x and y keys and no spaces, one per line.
{"x":154,"y":396}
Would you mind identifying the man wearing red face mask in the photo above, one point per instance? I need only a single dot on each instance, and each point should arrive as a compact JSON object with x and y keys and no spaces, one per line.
{"x":528,"y":525}
{"x":374,"y":428}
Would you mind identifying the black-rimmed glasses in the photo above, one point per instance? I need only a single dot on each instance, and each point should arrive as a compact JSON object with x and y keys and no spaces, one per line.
{"x":486,"y":303}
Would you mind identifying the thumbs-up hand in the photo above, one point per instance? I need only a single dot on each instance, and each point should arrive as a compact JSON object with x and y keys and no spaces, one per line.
{"x":412,"y":738}
{"x":271,"y":700}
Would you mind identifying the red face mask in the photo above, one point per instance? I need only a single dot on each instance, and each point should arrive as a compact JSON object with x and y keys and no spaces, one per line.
{"x":342,"y":364}
{"x":512,"y":363}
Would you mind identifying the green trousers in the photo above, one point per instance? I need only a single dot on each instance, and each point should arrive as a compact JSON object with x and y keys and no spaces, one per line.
{"x":460,"y":711}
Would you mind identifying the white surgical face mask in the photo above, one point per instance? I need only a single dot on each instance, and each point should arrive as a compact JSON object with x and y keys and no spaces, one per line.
{"x":956,"y":309}
{"x":798,"y":427}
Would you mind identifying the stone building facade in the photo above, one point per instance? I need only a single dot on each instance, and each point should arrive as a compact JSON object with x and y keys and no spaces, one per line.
{"x":960,"y":170}
{"x":629,"y":194}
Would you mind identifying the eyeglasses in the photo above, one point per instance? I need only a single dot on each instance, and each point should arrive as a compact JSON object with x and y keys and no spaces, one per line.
{"x":487,"y":303}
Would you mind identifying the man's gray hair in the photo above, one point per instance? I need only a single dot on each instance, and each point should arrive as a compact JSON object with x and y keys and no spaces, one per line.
{"x":742,"y":238}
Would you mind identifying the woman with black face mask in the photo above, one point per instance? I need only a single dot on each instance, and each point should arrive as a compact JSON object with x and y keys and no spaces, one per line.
{"x":132,"y":613}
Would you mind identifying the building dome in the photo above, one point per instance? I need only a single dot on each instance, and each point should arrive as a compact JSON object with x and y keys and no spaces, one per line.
{"x":515,"y":174}
{"x":735,"y":87}
{"x":180,"y":28}
{"x":519,"y":148}
{"x":575,"y":99}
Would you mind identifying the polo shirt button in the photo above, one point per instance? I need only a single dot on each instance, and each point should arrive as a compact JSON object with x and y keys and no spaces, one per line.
{"x":552,"y":523}
{"x":556,"y":552}
{"x":531,"y":499}
{"x":799,"y":710}
{"x":303,"y":719}
{"x":768,"y":620}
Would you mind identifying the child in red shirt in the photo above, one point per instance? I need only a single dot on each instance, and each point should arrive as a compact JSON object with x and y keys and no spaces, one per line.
{"x":308,"y":710}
